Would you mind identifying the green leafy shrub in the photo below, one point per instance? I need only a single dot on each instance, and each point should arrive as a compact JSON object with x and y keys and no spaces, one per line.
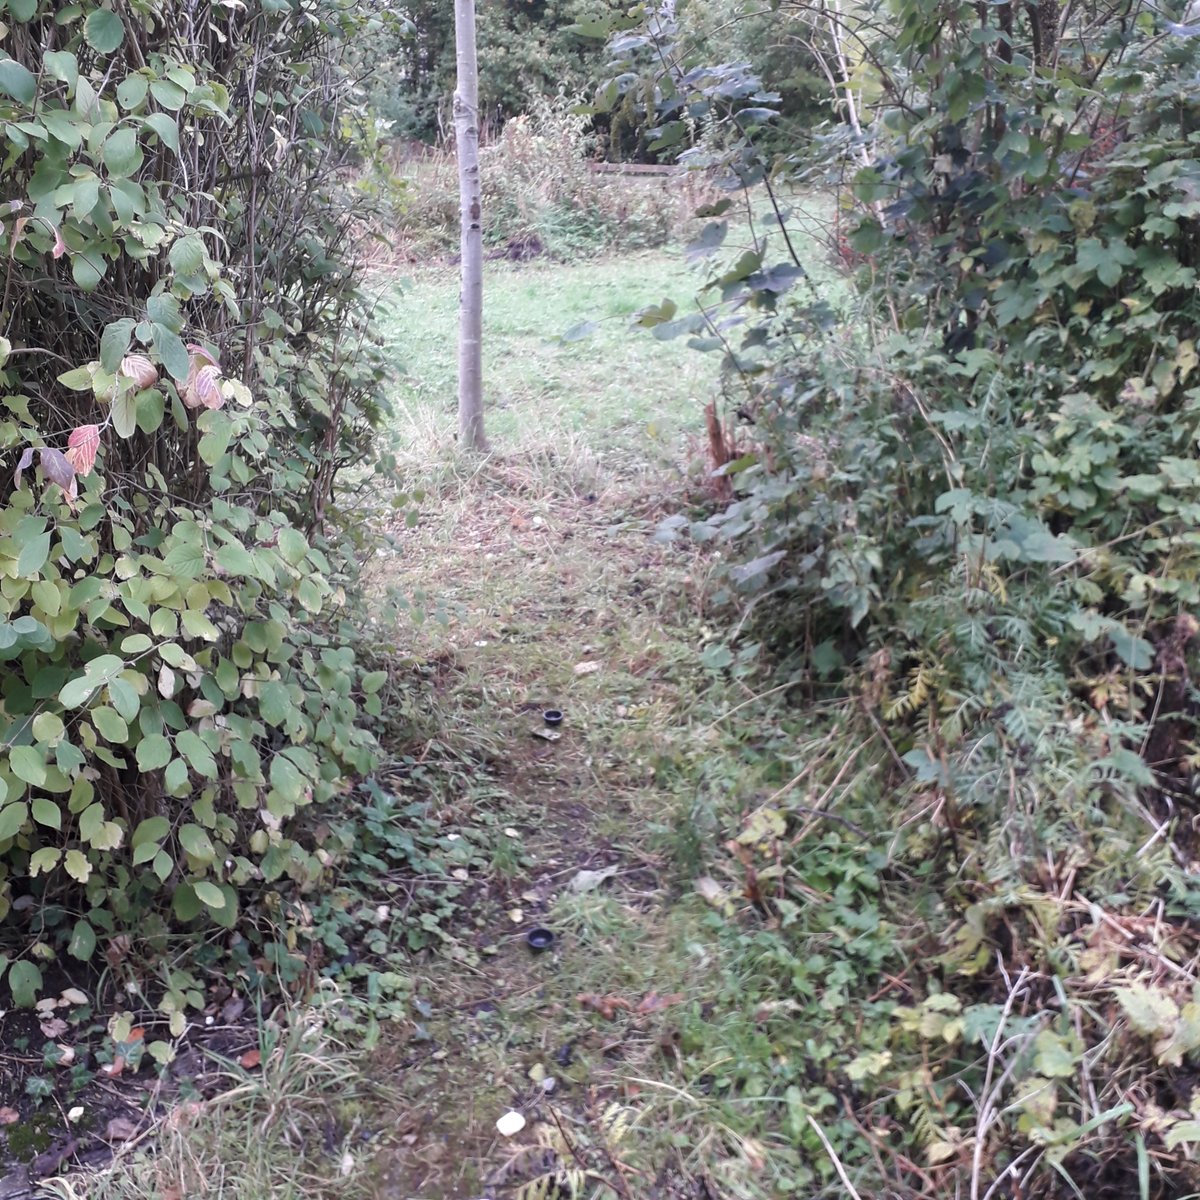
{"x":967,"y":520}
{"x":540,"y":194}
{"x":187,"y":364}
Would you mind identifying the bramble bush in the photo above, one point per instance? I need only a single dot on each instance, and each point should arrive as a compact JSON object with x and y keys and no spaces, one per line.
{"x":188,"y":363}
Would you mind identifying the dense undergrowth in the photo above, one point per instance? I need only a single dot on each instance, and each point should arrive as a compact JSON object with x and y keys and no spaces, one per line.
{"x":188,"y":365}
{"x":962,"y":525}
{"x":541,"y":195}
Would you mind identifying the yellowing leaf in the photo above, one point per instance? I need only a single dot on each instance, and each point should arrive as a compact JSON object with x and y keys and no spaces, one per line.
{"x":1150,"y":1010}
{"x":77,"y":866}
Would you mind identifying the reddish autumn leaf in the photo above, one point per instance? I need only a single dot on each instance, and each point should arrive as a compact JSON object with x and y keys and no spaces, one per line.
{"x":114,"y":1068}
{"x":81,"y":448}
{"x":203,"y":387}
{"x":251,"y":1059}
{"x":9,"y":1116}
{"x":606,"y":1006}
{"x":56,"y":467}
{"x":656,"y":1003}
{"x":60,"y":247}
{"x":204,"y":355}
{"x":60,"y":472}
{"x":136,"y":1034}
{"x":140,"y":369}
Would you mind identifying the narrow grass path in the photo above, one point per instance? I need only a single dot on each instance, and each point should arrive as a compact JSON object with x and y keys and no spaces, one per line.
{"x":560,"y":597}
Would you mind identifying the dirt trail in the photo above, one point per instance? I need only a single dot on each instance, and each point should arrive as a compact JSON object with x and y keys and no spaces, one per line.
{"x":563,"y":602}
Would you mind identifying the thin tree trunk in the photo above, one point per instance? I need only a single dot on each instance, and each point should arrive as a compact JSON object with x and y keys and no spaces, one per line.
{"x":470,"y":309}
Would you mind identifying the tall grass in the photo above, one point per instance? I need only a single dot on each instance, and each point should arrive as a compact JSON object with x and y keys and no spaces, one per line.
{"x":541,"y":195}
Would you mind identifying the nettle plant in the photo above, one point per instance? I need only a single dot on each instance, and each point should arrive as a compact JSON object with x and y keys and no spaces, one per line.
{"x":186,"y":363}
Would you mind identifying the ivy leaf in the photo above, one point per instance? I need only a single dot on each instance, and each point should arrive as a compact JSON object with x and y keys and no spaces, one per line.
{"x":25,"y":983}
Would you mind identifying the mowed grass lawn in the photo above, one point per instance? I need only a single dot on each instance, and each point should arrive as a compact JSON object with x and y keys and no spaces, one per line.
{"x":619,"y":391}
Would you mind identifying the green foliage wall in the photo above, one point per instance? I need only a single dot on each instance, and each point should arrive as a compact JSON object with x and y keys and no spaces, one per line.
{"x":187,"y":362}
{"x":527,"y":49}
{"x":966,"y":518}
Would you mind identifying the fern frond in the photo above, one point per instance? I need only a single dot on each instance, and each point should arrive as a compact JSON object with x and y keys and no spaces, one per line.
{"x":614,"y":1122}
{"x":920,"y":685}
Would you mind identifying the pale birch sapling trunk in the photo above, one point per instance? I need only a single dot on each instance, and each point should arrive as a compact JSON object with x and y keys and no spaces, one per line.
{"x":470,"y":308}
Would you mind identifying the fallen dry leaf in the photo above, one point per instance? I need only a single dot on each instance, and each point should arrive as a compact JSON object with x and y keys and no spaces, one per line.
{"x":74,"y":996}
{"x":250,"y":1059}
{"x":55,"y":1027}
{"x":114,"y":1068}
{"x":589,"y":881}
{"x":120,"y":1129}
{"x":185,"y":1114}
{"x":606,"y":1006}
{"x":586,"y":668}
{"x":656,"y":1003}
{"x":9,"y":1116}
